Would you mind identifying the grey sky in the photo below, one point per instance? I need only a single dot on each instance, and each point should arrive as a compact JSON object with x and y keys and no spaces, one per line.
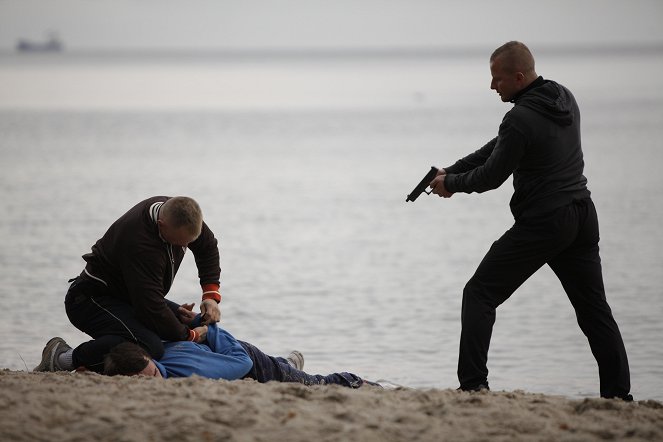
{"x":224,"y":24}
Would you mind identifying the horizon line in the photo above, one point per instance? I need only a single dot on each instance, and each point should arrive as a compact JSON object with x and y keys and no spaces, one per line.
{"x":256,"y":53}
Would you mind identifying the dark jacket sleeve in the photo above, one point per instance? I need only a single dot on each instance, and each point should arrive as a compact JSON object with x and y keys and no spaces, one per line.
{"x":206,"y":253}
{"x":143,"y":272}
{"x":491,"y":171}
{"x":473,"y":160}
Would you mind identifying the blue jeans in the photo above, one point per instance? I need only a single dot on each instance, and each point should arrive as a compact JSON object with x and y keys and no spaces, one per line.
{"x":109,"y":321}
{"x":269,"y":368}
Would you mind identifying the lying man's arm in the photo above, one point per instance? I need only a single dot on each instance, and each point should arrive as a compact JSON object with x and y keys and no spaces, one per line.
{"x":220,"y":357}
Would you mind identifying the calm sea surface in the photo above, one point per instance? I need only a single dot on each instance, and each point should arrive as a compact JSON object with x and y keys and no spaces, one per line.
{"x":301,"y":167}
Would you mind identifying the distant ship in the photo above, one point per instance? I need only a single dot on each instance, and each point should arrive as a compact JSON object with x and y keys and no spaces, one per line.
{"x":53,"y":44}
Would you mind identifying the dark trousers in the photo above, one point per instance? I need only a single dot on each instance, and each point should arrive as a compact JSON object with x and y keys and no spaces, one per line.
{"x":269,"y":368}
{"x":567,"y":240}
{"x":108,"y":320}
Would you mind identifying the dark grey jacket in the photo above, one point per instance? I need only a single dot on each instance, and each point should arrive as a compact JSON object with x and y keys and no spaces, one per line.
{"x":539,"y":142}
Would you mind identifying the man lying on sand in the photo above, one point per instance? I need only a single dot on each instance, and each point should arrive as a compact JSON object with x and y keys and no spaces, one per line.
{"x":220,"y":356}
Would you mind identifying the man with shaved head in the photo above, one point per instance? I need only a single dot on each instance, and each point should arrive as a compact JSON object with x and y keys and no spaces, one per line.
{"x":120,"y":294}
{"x":556,"y":224}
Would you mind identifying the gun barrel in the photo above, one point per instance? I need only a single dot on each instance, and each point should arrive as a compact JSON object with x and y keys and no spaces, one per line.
{"x":432,"y":173}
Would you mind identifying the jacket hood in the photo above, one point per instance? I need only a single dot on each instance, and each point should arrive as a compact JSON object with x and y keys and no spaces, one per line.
{"x":551,"y":100}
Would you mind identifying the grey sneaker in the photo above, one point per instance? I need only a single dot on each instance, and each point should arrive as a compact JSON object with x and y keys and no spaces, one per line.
{"x":49,"y":357}
{"x":296,"y":359}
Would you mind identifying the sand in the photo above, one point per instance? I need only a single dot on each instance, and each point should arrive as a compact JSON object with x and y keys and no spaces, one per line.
{"x":90,"y":407}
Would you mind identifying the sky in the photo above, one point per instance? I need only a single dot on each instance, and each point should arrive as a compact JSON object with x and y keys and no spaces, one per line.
{"x":329,"y":24}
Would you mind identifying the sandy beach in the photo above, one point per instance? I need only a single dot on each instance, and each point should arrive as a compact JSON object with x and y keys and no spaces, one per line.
{"x":90,"y":407}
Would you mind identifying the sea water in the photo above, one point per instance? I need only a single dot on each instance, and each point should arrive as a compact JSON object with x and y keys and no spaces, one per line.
{"x":302,"y":167}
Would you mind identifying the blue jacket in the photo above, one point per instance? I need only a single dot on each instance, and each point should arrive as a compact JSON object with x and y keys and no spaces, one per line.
{"x":222,"y":357}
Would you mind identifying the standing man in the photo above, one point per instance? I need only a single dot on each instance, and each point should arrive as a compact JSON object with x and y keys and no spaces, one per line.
{"x":555,"y":219}
{"x":120,"y":295}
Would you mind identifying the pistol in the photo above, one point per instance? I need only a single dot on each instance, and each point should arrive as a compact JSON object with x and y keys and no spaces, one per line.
{"x":421,"y":187}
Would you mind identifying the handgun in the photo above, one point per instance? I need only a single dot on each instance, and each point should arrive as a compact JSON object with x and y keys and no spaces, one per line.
{"x":421,"y":187}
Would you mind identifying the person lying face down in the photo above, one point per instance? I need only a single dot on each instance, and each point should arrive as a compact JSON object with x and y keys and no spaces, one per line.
{"x":221,"y":356}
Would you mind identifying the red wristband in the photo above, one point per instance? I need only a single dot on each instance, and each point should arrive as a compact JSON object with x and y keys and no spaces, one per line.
{"x":211,"y":291}
{"x":193,"y":335}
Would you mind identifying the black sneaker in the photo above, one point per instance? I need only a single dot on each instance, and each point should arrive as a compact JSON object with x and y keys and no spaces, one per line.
{"x":479,"y":387}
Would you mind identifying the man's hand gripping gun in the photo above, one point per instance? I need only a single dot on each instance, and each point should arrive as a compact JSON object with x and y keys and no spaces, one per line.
{"x":421,"y":187}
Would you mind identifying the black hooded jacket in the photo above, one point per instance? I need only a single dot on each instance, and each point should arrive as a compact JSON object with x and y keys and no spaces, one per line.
{"x":539,"y":142}
{"x":139,"y":267}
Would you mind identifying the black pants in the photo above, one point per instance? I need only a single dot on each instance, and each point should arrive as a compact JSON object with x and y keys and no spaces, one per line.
{"x":109,"y":321}
{"x":269,"y":368}
{"x":567,"y":240}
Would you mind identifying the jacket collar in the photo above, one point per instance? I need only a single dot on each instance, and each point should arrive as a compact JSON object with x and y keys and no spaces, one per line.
{"x":154,"y":215}
{"x":536,"y":83}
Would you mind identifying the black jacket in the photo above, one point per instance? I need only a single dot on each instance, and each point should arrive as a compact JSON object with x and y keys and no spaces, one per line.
{"x":539,"y":142}
{"x":138,"y":266}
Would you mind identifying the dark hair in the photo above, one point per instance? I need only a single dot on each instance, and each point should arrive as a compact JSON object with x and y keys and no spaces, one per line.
{"x":125,"y":359}
{"x":182,"y":211}
{"x":516,"y":56}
